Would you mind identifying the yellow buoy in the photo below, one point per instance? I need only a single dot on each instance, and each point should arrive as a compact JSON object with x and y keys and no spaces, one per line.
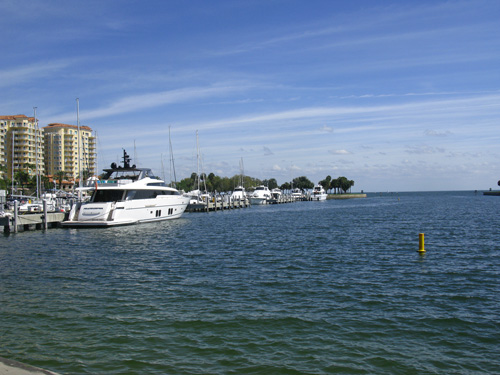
{"x":421,"y":242}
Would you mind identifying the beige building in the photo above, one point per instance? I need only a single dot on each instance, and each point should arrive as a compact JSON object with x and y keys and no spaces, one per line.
{"x":20,"y":142}
{"x":61,"y":150}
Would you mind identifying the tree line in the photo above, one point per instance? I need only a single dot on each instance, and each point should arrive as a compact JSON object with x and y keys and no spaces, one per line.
{"x":23,"y":180}
{"x":212,"y":182}
{"x":215,"y":183}
{"x":339,"y":185}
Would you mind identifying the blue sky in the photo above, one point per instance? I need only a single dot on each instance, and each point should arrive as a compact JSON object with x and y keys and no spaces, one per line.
{"x":395,"y":95}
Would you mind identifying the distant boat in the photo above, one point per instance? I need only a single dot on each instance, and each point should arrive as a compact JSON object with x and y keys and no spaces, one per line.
{"x":128,"y":195}
{"x":260,"y":196}
{"x":318,"y":193}
{"x":238,"y":193}
{"x":33,"y":204}
{"x":276,"y":193}
{"x":297,"y":194}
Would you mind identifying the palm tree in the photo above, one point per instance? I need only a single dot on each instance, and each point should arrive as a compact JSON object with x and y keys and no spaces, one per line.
{"x":4,"y":180}
{"x":326,"y":183}
{"x":22,"y":177}
{"x":335,"y":185}
{"x":59,"y":176}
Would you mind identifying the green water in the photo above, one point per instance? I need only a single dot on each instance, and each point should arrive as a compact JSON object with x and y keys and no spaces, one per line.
{"x":305,"y":288}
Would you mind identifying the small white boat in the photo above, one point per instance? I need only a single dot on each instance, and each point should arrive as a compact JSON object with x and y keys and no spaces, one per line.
{"x":276,"y":193}
{"x":128,"y":195}
{"x":297,"y":194}
{"x":238,"y":194}
{"x":196,"y":197}
{"x":260,"y":196}
{"x":36,"y":205}
{"x":318,"y":193}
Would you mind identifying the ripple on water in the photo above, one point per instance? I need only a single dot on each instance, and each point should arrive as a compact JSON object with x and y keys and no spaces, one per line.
{"x":311,"y":287}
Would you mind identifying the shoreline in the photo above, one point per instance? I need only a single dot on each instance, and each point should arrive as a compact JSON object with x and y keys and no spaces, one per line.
{"x":496,"y":193}
{"x":346,"y":196}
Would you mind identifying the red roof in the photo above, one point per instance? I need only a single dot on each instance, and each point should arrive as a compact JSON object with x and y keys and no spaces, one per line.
{"x":58,"y":125}
{"x":15,"y":117}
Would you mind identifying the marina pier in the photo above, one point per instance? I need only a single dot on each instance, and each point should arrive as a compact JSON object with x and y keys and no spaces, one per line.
{"x":224,"y":203}
{"x":29,"y":221}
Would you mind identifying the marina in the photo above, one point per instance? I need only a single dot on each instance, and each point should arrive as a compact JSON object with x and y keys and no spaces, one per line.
{"x":45,"y":220}
{"x":33,"y":220}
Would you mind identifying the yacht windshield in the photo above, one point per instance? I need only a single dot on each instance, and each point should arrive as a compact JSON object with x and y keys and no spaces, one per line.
{"x":114,"y":195}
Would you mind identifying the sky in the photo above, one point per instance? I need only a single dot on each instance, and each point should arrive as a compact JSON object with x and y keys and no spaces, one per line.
{"x":395,"y":95}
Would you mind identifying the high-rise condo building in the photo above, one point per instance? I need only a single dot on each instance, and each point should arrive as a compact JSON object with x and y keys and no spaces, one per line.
{"x":61,"y":151}
{"x":21,"y":146}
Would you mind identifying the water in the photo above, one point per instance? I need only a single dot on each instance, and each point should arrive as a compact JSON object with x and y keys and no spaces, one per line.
{"x":303,"y":288}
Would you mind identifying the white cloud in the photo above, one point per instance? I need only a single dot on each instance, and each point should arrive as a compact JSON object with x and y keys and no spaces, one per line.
{"x":339,"y":152}
{"x":21,"y":74}
{"x":424,"y":149}
{"x":435,"y":133}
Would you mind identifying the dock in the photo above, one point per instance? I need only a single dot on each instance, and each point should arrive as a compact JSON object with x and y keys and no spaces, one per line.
{"x":27,"y":221}
{"x":218,"y":204}
{"x":222,"y":203}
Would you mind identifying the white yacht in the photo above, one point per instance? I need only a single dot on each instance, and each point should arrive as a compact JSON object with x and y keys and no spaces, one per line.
{"x":238,"y":194}
{"x":261,"y":195}
{"x":127,"y":195}
{"x":318,"y":193}
{"x":297,"y":194}
{"x":276,"y":195}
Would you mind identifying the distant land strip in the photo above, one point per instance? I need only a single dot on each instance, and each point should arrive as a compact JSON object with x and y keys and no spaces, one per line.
{"x":346,"y":196}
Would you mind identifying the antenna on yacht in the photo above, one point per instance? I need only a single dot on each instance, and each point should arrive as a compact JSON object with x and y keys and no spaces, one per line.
{"x":126,"y":159}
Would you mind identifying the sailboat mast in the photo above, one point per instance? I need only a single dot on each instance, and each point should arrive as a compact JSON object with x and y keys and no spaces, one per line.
{"x":162,"y":168}
{"x":79,"y":161}
{"x":12,"y":177}
{"x":96,"y":156}
{"x":242,"y":173}
{"x":198,"y":159}
{"x":173,"y":182}
{"x":37,"y":176}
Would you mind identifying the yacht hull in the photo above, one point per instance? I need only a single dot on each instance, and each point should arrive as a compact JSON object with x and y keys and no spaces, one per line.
{"x":124,"y":213}
{"x":258,"y":201}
